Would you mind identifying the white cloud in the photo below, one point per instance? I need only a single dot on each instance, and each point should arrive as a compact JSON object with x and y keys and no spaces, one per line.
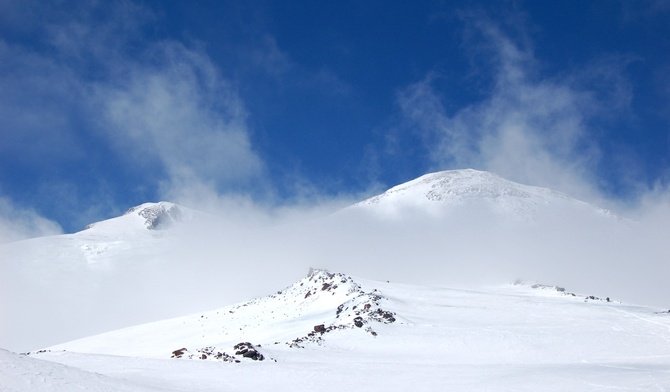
{"x":98,"y":91}
{"x":182,"y":114}
{"x":268,"y":57}
{"x":539,"y":130}
{"x":529,"y":128}
{"x":18,"y":223}
{"x":170,"y":108}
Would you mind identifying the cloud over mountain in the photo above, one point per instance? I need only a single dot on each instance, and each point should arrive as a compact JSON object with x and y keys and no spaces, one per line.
{"x":455,"y":228}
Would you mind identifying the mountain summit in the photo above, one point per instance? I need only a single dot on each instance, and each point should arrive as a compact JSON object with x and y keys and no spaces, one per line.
{"x":444,"y":191}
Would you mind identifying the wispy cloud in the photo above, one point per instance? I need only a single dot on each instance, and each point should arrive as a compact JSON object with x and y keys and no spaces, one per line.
{"x":182,"y":114}
{"x":87,"y":89}
{"x":542,"y":129}
{"x":530,"y":127}
{"x":163,"y":112}
{"x":18,"y":223}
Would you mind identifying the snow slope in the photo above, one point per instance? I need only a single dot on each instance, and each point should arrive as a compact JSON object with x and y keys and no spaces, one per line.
{"x":332,"y":300}
{"x":19,"y":373}
{"x":512,"y":337}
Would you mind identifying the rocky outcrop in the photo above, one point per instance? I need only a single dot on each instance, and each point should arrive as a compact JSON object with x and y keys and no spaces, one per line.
{"x":248,"y":350}
{"x":159,"y":216}
{"x":327,"y":302}
{"x":538,"y":286}
{"x":360,"y":308}
{"x":243,"y":350}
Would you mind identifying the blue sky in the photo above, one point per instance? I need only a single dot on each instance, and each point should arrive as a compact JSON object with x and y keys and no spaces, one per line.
{"x":108,"y":105}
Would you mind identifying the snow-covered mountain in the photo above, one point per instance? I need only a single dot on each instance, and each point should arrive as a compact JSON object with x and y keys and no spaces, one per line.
{"x":330,"y":331}
{"x":442,"y":192}
{"x":162,"y":260}
{"x":67,"y":278}
{"x":140,"y":227}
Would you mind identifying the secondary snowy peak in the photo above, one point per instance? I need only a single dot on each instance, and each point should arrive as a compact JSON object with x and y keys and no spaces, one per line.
{"x":150,"y":216}
{"x":435,"y":192}
{"x":158,"y":216}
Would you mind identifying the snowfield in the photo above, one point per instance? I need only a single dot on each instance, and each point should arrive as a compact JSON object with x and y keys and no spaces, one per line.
{"x":517,"y":337}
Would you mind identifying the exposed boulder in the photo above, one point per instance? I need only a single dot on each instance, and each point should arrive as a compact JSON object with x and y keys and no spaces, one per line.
{"x":248,"y":350}
{"x":211,"y":353}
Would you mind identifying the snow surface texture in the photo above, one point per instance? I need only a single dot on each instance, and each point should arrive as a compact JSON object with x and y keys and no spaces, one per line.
{"x":521,"y":337}
{"x":20,"y":373}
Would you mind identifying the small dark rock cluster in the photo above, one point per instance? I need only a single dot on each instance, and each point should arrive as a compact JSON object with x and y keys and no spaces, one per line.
{"x":363,"y":307}
{"x":245,"y":349}
{"x":314,"y":336}
{"x":370,"y":311}
{"x":382,"y":316}
{"x":212,"y":353}
{"x":37,"y":352}
{"x":563,"y":291}
{"x":594,"y":298}
{"x":329,"y":281}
